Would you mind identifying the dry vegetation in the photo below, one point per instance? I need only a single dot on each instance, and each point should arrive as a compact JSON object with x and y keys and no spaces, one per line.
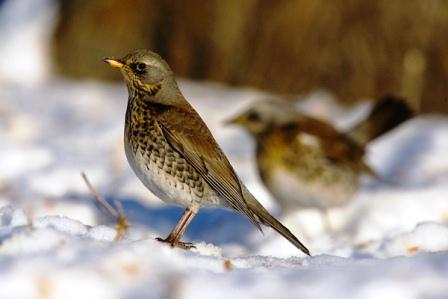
{"x":355,"y":49}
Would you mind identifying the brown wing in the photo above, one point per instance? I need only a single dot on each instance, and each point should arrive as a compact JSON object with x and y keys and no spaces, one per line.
{"x":187,"y":134}
{"x":337,"y":147}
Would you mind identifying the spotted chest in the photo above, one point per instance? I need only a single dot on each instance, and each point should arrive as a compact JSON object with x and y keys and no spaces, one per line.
{"x":160,"y":168}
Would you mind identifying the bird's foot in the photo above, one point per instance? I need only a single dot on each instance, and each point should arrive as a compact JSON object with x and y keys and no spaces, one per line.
{"x":182,"y":245}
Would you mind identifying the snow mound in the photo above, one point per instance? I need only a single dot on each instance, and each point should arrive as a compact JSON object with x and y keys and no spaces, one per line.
{"x":62,"y":258}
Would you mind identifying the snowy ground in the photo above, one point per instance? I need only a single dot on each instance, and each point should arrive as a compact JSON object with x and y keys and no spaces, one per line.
{"x":390,"y":242}
{"x":55,"y":243}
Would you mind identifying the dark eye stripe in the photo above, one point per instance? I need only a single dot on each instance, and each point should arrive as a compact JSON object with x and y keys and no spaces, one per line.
{"x":253,"y":116}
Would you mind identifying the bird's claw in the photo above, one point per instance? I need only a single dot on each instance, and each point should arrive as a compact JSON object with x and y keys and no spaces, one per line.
{"x":182,"y":245}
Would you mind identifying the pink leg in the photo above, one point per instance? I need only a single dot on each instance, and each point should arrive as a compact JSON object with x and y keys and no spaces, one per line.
{"x":178,"y":231}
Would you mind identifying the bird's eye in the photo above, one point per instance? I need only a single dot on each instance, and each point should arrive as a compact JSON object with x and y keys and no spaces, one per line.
{"x":253,"y":117}
{"x":139,"y":67}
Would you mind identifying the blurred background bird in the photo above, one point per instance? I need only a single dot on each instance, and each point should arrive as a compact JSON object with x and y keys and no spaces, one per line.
{"x":307,"y":163}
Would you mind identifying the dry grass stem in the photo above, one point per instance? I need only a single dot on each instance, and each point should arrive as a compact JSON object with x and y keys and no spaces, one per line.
{"x":116,"y":212}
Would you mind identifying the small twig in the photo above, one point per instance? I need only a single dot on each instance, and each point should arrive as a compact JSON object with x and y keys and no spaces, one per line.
{"x":115,"y":212}
{"x":119,"y":207}
{"x":99,"y":198}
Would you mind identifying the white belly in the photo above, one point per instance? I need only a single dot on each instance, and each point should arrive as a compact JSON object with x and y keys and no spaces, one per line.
{"x":292,"y":192}
{"x":165,"y":187}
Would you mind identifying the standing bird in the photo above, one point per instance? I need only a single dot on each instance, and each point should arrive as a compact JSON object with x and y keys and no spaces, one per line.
{"x":173,"y":153}
{"x":307,"y":163}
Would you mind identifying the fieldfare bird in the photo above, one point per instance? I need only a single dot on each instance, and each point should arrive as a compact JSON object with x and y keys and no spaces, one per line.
{"x":173,"y":153}
{"x":307,"y":163}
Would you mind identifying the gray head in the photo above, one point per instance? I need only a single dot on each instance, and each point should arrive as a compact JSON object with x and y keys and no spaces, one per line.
{"x":144,"y":70}
{"x":265,"y":115}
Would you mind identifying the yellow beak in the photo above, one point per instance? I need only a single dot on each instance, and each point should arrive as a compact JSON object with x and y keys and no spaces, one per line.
{"x":233,"y":121}
{"x":113,"y":62}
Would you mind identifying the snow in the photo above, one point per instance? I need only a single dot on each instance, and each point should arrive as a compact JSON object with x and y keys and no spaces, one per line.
{"x":69,"y":263}
{"x":391,"y":241}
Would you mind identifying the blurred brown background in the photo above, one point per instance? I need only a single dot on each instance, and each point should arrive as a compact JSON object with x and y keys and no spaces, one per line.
{"x":355,"y":49}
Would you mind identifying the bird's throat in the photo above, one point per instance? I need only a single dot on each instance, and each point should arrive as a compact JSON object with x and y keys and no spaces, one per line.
{"x":150,"y":89}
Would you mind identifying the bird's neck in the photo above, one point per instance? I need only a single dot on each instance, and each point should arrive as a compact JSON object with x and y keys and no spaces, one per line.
{"x":137,"y":92}
{"x":275,"y":138}
{"x":165,"y":93}
{"x":271,"y":132}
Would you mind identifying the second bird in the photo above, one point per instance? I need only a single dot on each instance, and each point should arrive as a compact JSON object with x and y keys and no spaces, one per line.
{"x":307,"y":163}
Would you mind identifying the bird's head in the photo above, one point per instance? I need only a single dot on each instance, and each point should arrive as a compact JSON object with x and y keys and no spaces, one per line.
{"x":265,"y":115}
{"x":143,"y":70}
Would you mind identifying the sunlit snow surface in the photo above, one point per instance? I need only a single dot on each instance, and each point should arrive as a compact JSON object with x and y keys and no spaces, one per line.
{"x":391,"y":241}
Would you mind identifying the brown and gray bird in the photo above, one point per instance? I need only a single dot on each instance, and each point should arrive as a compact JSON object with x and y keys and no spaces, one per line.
{"x":173,"y":153}
{"x":305,"y":162}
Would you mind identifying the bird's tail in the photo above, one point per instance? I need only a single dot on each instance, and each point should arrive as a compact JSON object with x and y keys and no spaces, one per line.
{"x":387,"y":113}
{"x":268,"y":219}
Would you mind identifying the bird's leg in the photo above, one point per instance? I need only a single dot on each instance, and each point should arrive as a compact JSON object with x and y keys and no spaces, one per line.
{"x":176,"y":234}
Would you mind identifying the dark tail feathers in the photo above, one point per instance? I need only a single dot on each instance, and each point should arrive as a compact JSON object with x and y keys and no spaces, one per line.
{"x":269,"y":220}
{"x":386,"y":114}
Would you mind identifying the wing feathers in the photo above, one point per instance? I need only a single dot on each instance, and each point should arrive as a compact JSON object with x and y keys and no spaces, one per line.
{"x":192,"y":139}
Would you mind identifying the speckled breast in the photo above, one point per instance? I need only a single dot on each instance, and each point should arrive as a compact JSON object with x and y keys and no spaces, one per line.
{"x":161,"y":169}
